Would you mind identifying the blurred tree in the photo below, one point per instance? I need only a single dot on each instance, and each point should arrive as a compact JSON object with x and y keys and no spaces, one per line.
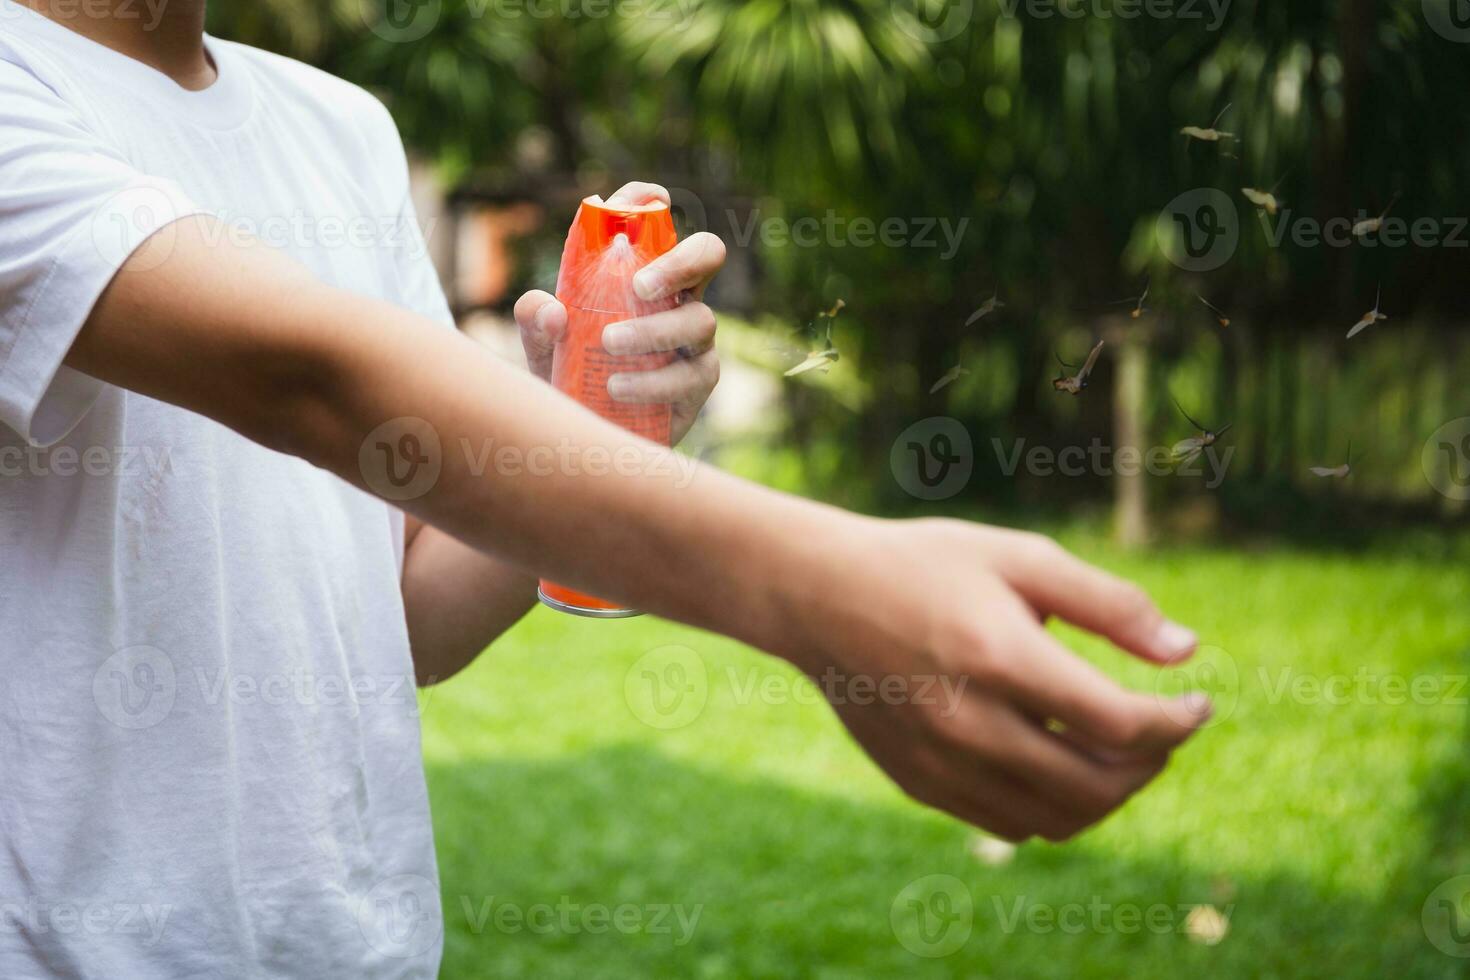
{"x":1053,"y":141}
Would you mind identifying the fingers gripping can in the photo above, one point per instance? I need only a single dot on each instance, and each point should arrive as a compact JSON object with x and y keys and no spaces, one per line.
{"x":606,"y":247}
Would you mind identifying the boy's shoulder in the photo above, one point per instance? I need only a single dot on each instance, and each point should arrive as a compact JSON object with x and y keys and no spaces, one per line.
{"x":309,"y":88}
{"x":332,"y":102}
{"x":22,"y":55}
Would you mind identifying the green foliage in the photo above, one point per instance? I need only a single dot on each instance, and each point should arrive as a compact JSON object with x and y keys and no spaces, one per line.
{"x":818,"y":85}
{"x":1054,"y":141}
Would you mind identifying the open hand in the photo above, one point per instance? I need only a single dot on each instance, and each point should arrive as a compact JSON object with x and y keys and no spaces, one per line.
{"x":989,"y":717}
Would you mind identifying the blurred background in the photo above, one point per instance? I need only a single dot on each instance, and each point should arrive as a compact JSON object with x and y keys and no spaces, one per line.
{"x":915,"y":159}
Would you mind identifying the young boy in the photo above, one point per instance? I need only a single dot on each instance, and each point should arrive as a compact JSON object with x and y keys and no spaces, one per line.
{"x":220,"y":351}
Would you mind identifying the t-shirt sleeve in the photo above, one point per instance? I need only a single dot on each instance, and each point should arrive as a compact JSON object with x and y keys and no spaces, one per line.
{"x":418,"y":279}
{"x":419,"y":288}
{"x":72,"y":212}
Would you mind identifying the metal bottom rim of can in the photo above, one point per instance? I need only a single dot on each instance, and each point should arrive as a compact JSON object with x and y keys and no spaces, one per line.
{"x":584,"y":611}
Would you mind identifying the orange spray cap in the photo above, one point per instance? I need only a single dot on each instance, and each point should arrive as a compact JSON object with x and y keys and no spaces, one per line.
{"x":607,"y":245}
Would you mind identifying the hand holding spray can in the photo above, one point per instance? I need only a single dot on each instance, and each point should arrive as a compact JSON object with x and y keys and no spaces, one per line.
{"x":607,"y":245}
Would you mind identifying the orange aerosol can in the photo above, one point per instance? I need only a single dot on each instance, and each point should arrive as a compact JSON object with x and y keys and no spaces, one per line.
{"x":607,"y":245}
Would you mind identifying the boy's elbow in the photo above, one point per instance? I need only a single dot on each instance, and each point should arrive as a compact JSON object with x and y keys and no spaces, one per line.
{"x":308,"y":422}
{"x":305,"y":408}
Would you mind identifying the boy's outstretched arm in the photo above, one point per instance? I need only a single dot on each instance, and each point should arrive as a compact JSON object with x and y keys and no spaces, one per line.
{"x":1032,"y":741}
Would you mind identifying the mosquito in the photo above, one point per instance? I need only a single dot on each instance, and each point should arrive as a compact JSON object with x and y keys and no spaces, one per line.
{"x":1336,"y":472}
{"x":1076,"y":383}
{"x":950,"y":377}
{"x":1211,"y":135}
{"x":1186,"y":451}
{"x":986,"y":308}
{"x":1371,"y":317}
{"x":1219,"y":313}
{"x":822,"y":359}
{"x":1265,"y":200}
{"x":1371,"y":226}
{"x":1138,"y":308}
{"x":818,"y":360}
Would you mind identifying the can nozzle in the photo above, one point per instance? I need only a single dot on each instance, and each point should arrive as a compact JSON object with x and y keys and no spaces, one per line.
{"x":587,"y":280}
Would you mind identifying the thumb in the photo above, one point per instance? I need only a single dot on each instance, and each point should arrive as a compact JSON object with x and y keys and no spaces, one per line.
{"x":543,"y":323}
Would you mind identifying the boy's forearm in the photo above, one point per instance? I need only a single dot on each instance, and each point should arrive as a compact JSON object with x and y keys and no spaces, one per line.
{"x":601,"y":511}
{"x":248,"y":338}
{"x":457,"y":601}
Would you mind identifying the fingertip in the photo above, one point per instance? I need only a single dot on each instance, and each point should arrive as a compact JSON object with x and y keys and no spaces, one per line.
{"x":620,"y":388}
{"x":1198,"y":705}
{"x":618,"y":338}
{"x":1172,"y":643}
{"x":529,"y":304}
{"x":1174,"y":721}
{"x":711,"y":248}
{"x":551,"y":320}
{"x":648,"y":286}
{"x":637,"y":192}
{"x":1182,"y":718}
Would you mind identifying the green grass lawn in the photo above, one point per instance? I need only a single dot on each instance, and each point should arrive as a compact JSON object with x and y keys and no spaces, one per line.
{"x":1320,"y":828}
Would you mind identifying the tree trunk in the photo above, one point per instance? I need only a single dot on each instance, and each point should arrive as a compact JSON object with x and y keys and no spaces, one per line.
{"x":1130,"y":407}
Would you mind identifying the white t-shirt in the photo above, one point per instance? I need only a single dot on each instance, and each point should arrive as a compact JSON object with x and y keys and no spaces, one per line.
{"x":209,"y":737}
